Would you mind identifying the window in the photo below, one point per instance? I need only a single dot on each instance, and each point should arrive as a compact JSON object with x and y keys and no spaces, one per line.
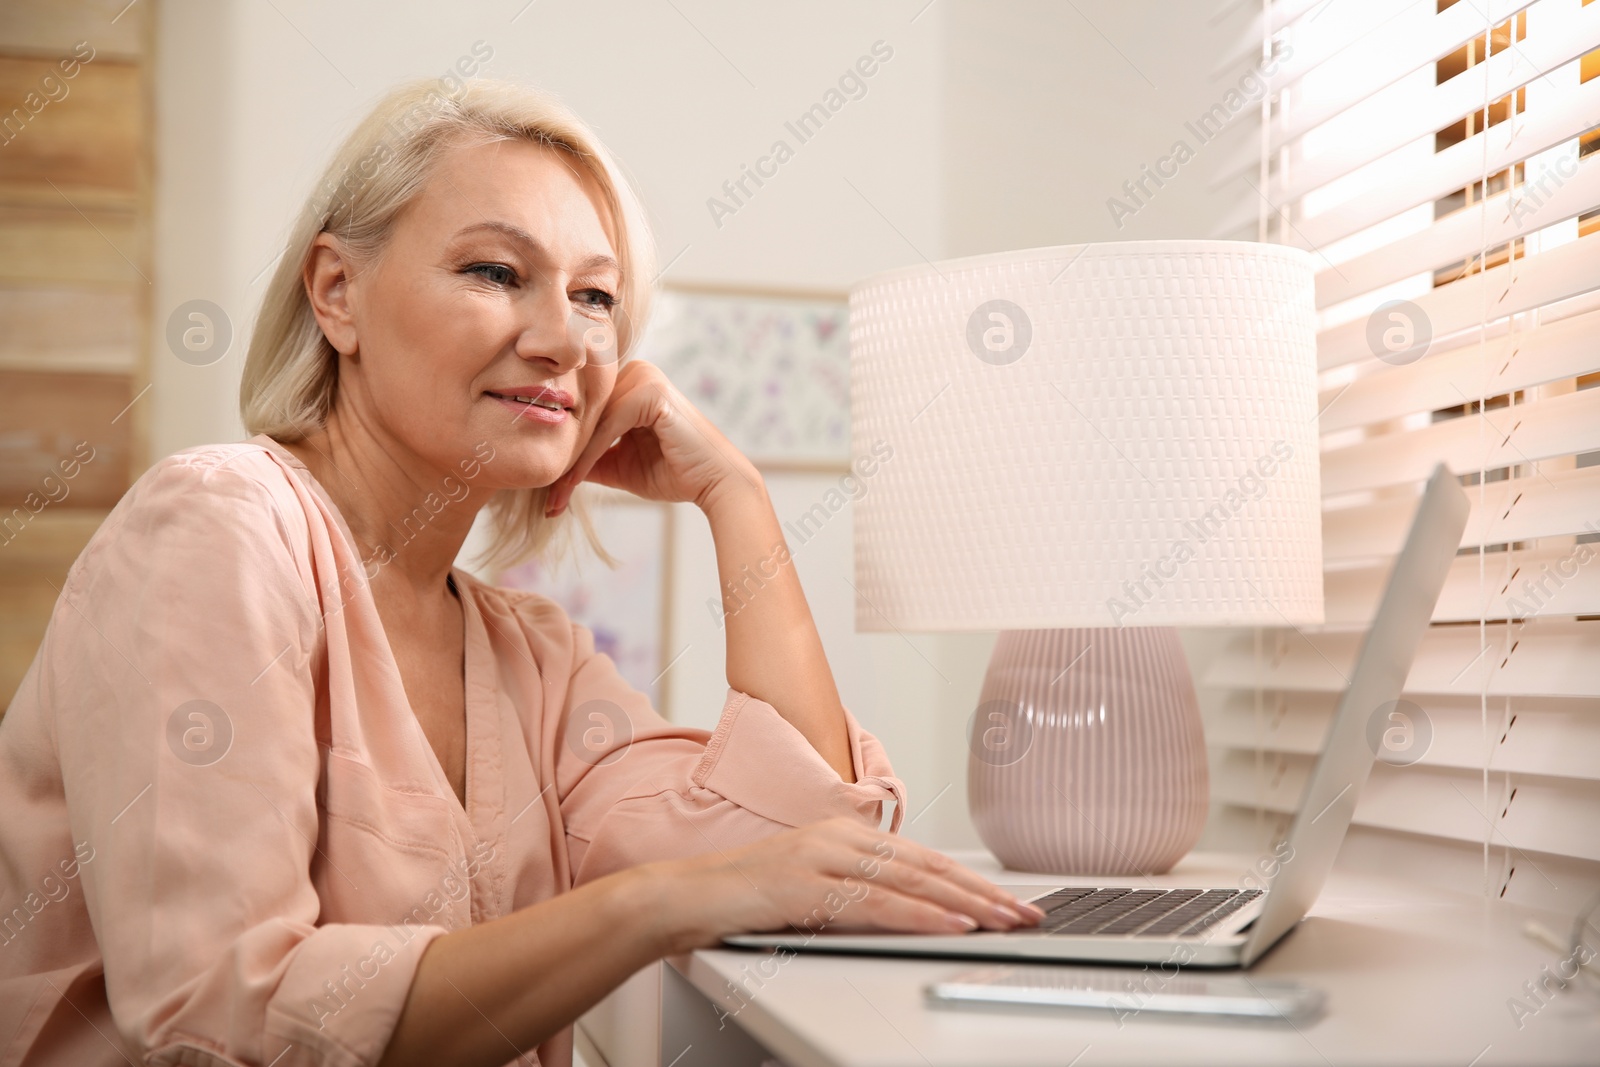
{"x":1435,"y":156}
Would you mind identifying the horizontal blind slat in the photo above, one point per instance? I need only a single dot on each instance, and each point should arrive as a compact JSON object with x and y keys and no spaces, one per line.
{"x":1512,"y":585}
{"x":1284,"y":13}
{"x":1518,"y":359}
{"x":1547,"y":658}
{"x":1560,"y":884}
{"x":1360,"y":22}
{"x":1551,"y":737}
{"x":1557,"y":274}
{"x":1548,"y":815}
{"x":1560,"y":426}
{"x":1549,"y":504}
{"x":1452,"y":101}
{"x":1414,"y":38}
{"x":1442,"y":173}
{"x":1277,"y":16}
{"x":1464,"y":234}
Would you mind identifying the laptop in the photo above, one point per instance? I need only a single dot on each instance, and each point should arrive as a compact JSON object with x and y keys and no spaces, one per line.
{"x":1211,"y":927}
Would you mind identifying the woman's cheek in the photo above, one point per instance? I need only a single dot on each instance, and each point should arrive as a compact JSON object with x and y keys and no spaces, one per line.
{"x":595,"y":394}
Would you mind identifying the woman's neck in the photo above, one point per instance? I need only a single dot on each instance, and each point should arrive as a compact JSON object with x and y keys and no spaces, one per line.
{"x":397,"y":507}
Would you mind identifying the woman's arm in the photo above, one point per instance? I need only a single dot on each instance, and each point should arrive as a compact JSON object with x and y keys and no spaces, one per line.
{"x":652,"y":442}
{"x":774,"y":651}
{"x":489,"y":992}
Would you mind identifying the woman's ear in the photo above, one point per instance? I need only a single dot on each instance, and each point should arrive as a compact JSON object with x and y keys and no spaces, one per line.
{"x":327,"y":281}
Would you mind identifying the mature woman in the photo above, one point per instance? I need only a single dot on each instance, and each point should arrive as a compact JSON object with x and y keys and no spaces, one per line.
{"x":285,"y":786}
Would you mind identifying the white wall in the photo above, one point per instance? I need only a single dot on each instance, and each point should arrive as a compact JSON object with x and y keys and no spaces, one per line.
{"x":992,"y":126}
{"x":1051,"y":107}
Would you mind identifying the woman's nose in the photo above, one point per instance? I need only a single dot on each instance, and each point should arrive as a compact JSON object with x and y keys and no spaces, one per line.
{"x":551,"y":332}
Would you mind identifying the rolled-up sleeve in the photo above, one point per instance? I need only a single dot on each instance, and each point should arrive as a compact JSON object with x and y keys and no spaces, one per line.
{"x":637,"y":788}
{"x":181,"y":683}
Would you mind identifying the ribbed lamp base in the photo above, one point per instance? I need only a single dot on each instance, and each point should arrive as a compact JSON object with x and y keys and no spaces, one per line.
{"x":1087,"y":752}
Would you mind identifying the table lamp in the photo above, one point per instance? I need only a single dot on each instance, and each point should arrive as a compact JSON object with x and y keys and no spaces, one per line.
{"x":1083,"y":447}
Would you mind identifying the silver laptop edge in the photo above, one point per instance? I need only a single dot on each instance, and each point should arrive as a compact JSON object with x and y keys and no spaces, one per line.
{"x":1320,"y":823}
{"x":1329,"y":801}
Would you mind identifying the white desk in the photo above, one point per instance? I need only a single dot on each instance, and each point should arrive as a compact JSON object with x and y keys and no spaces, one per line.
{"x":1412,"y":975}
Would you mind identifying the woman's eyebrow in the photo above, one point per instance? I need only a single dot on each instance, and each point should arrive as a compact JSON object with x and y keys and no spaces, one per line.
{"x":517,"y":233}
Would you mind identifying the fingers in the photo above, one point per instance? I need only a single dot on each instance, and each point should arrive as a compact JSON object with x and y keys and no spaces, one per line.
{"x":955,"y":890}
{"x":841,"y":874}
{"x":883,"y":908}
{"x":623,"y":412}
{"x":907,"y":871}
{"x":943,"y":867}
{"x":838,"y":886}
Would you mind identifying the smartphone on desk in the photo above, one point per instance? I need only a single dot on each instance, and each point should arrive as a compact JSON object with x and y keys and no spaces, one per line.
{"x":1127,"y":992}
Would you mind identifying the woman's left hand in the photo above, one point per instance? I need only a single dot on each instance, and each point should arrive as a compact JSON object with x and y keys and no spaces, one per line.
{"x":665,"y":449}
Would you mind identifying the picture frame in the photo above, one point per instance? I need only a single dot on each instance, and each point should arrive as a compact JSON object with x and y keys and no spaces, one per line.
{"x":770,"y":367}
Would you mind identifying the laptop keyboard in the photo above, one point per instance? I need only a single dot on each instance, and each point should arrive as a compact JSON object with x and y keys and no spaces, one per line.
{"x":1138,"y":912}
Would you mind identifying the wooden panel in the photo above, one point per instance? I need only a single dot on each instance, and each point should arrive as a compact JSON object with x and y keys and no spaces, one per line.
{"x":47,"y":245}
{"x":65,"y":329}
{"x":92,"y":201}
{"x":74,"y":290}
{"x":80,"y":131}
{"x":33,"y":565}
{"x":51,"y":27}
{"x":52,"y":420}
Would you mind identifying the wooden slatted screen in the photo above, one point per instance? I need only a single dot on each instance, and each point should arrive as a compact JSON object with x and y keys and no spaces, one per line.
{"x":74,"y":292}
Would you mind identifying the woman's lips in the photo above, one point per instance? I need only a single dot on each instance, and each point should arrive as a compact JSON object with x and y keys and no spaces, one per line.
{"x":532,"y":412}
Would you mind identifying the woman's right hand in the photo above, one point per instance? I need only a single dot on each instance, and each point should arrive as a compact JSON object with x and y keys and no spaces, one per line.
{"x":834,"y":875}
{"x":529,"y":973}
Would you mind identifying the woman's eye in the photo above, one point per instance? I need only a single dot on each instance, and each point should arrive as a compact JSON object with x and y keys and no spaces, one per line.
{"x":498,"y":273}
{"x":597,"y":298}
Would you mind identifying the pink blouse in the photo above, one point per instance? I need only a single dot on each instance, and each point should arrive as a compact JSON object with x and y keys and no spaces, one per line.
{"x":224,"y":838}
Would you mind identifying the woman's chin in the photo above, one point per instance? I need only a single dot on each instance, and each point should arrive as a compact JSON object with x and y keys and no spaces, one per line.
{"x":520,"y":466}
{"x":533,"y":479}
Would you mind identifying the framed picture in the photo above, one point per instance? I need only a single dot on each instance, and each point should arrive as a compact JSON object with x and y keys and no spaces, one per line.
{"x":770,"y":368}
{"x":626,"y":608}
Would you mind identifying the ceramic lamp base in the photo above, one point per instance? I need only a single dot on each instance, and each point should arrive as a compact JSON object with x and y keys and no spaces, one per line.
{"x":1087,"y":752}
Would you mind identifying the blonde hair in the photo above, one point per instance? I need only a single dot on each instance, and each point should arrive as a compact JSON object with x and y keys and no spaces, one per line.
{"x":291,"y":375}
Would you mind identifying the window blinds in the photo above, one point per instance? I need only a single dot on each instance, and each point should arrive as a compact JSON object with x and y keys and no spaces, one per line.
{"x":1435,"y":157}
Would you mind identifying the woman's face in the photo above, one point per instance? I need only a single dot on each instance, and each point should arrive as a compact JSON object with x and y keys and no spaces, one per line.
{"x":498,"y":282}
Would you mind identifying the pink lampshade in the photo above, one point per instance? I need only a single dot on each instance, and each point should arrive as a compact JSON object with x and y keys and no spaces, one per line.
{"x":1088,"y":435}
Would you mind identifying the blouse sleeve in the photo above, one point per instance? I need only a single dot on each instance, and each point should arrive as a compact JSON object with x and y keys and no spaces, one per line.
{"x":180,"y":674}
{"x":635,"y":788}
